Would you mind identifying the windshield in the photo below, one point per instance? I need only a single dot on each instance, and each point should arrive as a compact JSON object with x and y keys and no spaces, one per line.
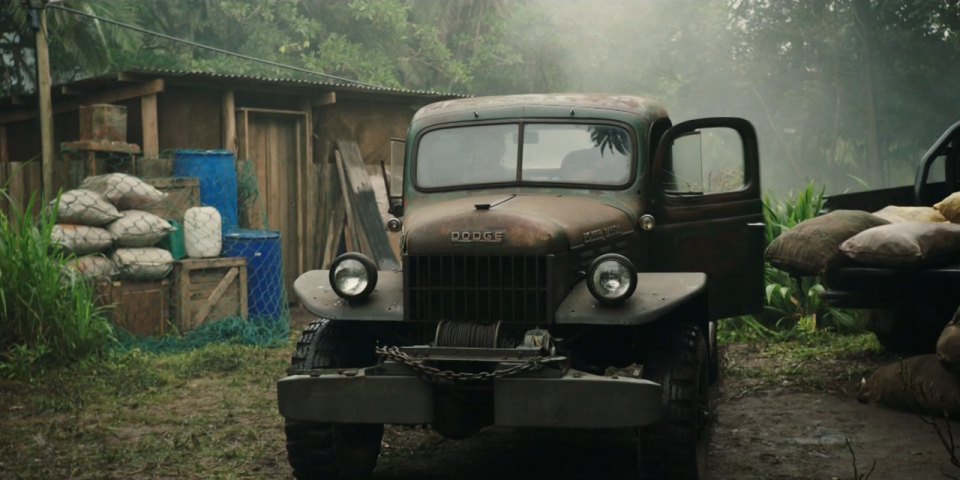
{"x":567,"y":153}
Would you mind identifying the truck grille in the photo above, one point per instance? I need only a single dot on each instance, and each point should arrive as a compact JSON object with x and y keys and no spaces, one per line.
{"x":489,"y":288}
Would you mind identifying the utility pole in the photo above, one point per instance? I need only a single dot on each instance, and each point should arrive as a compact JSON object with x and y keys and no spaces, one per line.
{"x":38,"y":20}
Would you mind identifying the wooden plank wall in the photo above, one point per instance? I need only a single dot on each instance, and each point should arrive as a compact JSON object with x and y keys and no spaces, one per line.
{"x":24,"y":180}
{"x":331,"y":215}
{"x":362,"y":209}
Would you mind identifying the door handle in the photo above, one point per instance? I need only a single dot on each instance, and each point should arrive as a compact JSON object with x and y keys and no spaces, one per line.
{"x":757,"y":225}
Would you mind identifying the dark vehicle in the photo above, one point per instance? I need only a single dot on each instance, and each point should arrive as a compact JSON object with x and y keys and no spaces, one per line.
{"x":908,"y":306}
{"x":564,"y":259}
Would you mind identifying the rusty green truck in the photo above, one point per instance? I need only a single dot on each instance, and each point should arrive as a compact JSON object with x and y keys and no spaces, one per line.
{"x":565,"y":258}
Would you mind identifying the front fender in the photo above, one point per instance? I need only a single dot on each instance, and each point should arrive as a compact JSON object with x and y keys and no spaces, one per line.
{"x":385,"y":303}
{"x":657,"y":294}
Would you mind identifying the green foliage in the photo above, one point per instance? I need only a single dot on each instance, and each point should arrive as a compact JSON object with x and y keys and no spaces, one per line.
{"x":47,"y":313}
{"x":793,"y":307}
{"x":782,"y":215}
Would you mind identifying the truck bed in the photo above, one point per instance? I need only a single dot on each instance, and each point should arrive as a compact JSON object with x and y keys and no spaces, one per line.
{"x":877,"y":287}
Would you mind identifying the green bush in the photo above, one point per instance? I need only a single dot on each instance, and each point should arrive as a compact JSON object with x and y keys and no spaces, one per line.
{"x":47,"y":313}
{"x":793,"y":307}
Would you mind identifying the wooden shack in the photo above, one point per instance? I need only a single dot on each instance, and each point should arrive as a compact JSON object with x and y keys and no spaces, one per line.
{"x":286,"y":130}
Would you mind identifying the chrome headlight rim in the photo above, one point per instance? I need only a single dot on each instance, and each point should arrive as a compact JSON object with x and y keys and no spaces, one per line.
{"x":598,"y":292}
{"x":369,"y":268}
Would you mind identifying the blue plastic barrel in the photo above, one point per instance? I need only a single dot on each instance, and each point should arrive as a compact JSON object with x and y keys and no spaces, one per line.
{"x":261,"y":248}
{"x":217,"y":171}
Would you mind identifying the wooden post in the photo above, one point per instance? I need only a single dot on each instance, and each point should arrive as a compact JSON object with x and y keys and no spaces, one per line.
{"x":229,"y":121}
{"x":46,"y":107}
{"x":148,"y":119}
{"x":4,"y":150}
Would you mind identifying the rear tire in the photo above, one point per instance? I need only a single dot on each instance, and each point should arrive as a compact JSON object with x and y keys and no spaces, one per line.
{"x":327,"y":450}
{"x":908,"y":332}
{"x":676,"y":446}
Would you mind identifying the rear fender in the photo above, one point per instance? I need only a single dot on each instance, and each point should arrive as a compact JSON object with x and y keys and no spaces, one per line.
{"x":657,"y":295}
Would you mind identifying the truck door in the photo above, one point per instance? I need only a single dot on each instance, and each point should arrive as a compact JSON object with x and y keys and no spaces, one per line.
{"x":705,"y":199}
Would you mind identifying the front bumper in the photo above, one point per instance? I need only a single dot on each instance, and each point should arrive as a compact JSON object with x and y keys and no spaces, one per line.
{"x":392,"y":394}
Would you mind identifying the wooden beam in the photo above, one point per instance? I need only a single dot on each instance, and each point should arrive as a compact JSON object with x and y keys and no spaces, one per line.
{"x":148,"y":120}
{"x":129,"y":77}
{"x":229,"y":121}
{"x":68,"y":90}
{"x":113,"y":96}
{"x":328,"y":98}
{"x":45,"y":107}
{"x":275,"y":111}
{"x":301,"y":168}
{"x":352,"y":224}
{"x":4,"y":149}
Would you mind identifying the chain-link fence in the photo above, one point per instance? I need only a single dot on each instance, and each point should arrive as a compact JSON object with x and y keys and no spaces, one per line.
{"x":174,"y":252}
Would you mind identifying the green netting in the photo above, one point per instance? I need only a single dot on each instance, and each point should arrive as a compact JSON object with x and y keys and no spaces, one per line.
{"x":231,"y":331}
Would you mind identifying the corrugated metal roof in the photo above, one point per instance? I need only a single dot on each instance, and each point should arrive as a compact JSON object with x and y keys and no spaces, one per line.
{"x":198,"y":74}
{"x":106,"y":81}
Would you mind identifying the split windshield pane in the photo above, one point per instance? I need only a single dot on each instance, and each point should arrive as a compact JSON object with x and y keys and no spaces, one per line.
{"x":582,"y":154}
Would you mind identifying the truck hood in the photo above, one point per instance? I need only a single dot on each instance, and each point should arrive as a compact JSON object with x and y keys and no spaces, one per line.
{"x":509,"y":223}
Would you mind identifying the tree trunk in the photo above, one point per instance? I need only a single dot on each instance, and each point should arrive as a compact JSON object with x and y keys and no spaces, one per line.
{"x":864,"y":18}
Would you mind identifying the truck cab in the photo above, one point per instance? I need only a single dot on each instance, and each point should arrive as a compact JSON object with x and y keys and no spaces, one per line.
{"x":565,"y":259}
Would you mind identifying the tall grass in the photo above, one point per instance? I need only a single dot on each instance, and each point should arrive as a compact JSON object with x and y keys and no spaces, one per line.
{"x":47,"y":313}
{"x":793,"y":307}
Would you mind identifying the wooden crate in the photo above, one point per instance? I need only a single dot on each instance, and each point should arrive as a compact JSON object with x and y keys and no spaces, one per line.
{"x":206,"y":290}
{"x":182,"y":193}
{"x":103,"y":121}
{"x":139,"y":307}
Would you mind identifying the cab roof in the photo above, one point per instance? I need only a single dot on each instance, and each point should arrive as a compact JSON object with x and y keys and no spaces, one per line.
{"x":539,"y":105}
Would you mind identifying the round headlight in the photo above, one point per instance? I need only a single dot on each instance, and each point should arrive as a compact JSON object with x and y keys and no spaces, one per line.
{"x":353,"y":276}
{"x":611,"y":278}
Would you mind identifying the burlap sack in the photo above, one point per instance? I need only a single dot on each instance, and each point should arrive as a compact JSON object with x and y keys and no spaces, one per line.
{"x":948,"y":345}
{"x":894,"y":214}
{"x":139,"y":229}
{"x":917,"y":384}
{"x":93,"y":266}
{"x":81,"y":239}
{"x":908,"y":244}
{"x":85,"y":207}
{"x":950,"y":207}
{"x":125,"y":191}
{"x":143,"y":263}
{"x":811,"y":248}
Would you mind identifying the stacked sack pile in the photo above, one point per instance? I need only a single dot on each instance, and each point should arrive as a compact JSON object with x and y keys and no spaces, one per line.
{"x":102,"y":217}
{"x":928,"y":384}
{"x":894,"y":237}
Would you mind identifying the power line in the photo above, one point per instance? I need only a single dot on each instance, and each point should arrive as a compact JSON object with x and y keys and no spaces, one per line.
{"x":208,"y":47}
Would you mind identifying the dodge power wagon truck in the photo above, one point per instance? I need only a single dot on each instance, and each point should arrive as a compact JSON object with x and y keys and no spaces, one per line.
{"x":565,"y":258}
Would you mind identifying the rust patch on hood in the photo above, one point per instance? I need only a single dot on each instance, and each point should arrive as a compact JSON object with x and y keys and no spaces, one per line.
{"x":529,"y":224}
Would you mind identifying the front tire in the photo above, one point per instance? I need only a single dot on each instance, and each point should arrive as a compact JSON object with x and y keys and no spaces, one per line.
{"x":676,"y":447}
{"x":327,"y":450}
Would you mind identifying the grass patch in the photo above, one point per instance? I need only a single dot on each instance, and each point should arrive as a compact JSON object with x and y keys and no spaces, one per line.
{"x":48,"y":313}
{"x":823,"y":361}
{"x":205,"y":413}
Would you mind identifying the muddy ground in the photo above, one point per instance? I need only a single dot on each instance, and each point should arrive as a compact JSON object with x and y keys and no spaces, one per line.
{"x":770,"y":424}
{"x":783,"y":411}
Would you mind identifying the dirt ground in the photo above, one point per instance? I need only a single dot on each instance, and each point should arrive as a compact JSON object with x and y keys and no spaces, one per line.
{"x":782,"y":412}
{"x":767,"y":427}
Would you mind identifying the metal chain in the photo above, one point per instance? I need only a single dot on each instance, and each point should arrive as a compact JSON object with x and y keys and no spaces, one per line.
{"x":437,"y":375}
